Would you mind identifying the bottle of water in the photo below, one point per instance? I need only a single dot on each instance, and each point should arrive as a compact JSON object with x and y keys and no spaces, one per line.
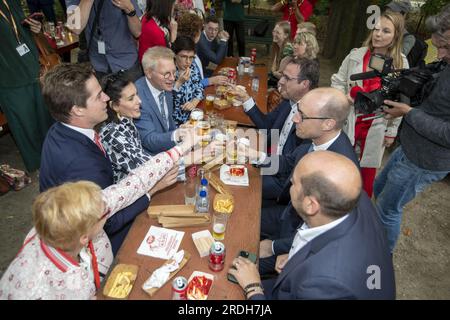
{"x":202,"y":202}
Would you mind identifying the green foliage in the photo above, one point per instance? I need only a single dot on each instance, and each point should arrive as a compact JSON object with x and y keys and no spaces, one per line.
{"x":431,"y":7}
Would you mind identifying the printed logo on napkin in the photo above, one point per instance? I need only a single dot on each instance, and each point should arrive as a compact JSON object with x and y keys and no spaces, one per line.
{"x":160,"y":242}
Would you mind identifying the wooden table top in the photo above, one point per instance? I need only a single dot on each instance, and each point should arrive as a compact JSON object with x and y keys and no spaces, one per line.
{"x":70,"y":42}
{"x":242,"y":233}
{"x":260,"y":97}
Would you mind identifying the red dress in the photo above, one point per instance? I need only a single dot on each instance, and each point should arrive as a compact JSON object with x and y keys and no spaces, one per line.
{"x":306,"y":9}
{"x":151,"y":36}
{"x":362,"y":126}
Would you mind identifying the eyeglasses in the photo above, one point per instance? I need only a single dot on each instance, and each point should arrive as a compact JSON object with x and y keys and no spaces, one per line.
{"x":188,"y":58}
{"x":304,"y":117}
{"x":167,"y":74}
{"x":287,"y":78}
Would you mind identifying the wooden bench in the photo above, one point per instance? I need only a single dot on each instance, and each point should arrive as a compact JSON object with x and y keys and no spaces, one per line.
{"x":251,"y":22}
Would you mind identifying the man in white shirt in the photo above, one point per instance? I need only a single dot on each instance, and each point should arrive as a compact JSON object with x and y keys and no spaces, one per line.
{"x":340,"y":241}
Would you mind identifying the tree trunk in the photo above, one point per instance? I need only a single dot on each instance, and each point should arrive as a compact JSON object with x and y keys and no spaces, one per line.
{"x":347,"y":28}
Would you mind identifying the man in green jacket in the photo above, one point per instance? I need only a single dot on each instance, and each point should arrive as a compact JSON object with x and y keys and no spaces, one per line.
{"x":20,"y":94}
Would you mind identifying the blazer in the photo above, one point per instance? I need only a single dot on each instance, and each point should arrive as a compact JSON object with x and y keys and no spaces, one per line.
{"x":350,"y":261}
{"x":275,"y":120}
{"x":211,"y":51}
{"x":153,"y":131}
{"x":287,"y":163}
{"x":68,"y":155}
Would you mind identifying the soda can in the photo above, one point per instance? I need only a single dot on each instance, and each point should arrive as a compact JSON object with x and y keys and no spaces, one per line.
{"x":232,"y":76}
{"x":179,"y":286}
{"x":253,"y":56}
{"x":217,"y":256}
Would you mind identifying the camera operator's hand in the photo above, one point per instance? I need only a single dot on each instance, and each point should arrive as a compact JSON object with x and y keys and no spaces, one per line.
{"x":398,"y":108}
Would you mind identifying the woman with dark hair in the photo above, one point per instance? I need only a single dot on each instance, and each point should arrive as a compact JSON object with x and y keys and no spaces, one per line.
{"x":158,"y":26}
{"x":118,"y":133}
{"x":188,"y":89}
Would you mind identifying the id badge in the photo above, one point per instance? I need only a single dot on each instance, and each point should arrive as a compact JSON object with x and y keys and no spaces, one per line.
{"x":22,"y":49}
{"x":101,"y":47}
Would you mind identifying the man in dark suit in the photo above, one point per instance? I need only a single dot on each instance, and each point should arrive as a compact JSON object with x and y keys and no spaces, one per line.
{"x":339,"y":252}
{"x":156,"y":126}
{"x":72,"y":150}
{"x":212,"y":46}
{"x":298,"y":78}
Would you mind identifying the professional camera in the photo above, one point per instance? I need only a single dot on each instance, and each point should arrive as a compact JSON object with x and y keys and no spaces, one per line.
{"x":412,"y":83}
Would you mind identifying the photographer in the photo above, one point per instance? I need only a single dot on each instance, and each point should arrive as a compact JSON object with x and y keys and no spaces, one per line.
{"x":370,"y":134}
{"x":424,"y":155}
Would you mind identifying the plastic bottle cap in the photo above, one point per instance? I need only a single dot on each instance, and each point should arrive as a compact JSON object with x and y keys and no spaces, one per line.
{"x":203,"y":193}
{"x":204,"y":182}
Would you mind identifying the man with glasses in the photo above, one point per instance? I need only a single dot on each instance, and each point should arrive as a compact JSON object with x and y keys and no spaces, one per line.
{"x":156,"y":126}
{"x":212,"y":46}
{"x":298,"y":78}
{"x":321,"y":115}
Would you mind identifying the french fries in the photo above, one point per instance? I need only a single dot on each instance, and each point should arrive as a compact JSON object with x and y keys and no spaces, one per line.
{"x":122,"y":285}
{"x":223,"y":203}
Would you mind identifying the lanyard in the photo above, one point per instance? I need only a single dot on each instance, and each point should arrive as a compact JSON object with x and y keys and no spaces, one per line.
{"x":12,"y":22}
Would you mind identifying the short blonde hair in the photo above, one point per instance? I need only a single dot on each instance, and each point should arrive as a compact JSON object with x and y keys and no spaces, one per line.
{"x":152,"y":56}
{"x":61,"y":215}
{"x":312,"y":47}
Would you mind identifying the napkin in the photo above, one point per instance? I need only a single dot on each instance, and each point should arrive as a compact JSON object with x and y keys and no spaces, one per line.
{"x":160,"y":276}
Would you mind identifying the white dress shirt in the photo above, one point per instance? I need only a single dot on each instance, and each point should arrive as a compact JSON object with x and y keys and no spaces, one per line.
{"x":305,"y":234}
{"x":155,"y":93}
{"x":90,"y":133}
{"x":326,"y":145}
{"x":287,"y":126}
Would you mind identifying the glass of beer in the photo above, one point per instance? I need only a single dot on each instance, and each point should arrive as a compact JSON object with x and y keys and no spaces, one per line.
{"x":203,"y":129}
{"x":232,"y":153}
{"x":196,"y":116}
{"x":219,"y":225}
{"x":209,"y":103}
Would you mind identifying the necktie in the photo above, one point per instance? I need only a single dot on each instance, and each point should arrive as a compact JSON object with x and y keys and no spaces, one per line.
{"x":161,"y":108}
{"x":98,"y":143}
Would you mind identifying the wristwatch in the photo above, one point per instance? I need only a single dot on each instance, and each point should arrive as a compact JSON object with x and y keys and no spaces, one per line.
{"x":131,"y":13}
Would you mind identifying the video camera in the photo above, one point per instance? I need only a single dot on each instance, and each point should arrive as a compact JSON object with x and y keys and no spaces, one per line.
{"x":413,"y":83}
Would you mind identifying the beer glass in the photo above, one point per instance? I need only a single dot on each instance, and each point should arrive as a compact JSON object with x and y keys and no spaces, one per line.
{"x":209,"y":103}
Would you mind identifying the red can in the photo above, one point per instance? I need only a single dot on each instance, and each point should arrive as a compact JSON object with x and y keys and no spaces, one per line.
{"x":217,"y":256}
{"x":179,"y":286}
{"x":253,"y":56}
{"x":232,"y":76}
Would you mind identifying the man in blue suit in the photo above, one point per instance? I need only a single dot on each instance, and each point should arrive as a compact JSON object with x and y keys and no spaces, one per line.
{"x":339,"y":252}
{"x":298,"y":78}
{"x":72,"y":150}
{"x":320,"y":117}
{"x":156,"y":126}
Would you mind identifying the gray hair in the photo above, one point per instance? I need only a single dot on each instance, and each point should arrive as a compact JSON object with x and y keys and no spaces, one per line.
{"x":152,"y":56}
{"x":440,"y":22}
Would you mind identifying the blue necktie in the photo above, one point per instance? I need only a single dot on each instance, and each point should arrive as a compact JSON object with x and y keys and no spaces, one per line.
{"x":161,"y":108}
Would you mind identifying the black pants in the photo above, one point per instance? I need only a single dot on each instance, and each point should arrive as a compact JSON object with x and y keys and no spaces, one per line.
{"x":238,"y":26}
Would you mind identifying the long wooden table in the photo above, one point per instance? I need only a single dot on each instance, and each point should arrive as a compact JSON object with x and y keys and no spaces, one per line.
{"x":242,"y":234}
{"x":260,"y":97}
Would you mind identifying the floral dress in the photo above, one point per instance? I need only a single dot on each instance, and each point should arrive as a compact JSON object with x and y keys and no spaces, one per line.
{"x":191,"y":89}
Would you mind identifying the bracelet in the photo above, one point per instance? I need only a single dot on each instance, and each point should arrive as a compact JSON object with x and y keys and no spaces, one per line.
{"x":252,"y":285}
{"x":256,"y":290}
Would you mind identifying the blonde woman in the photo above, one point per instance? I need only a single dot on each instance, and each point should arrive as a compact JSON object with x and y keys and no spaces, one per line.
{"x":370,"y":136}
{"x":305,"y":46}
{"x":281,"y":48}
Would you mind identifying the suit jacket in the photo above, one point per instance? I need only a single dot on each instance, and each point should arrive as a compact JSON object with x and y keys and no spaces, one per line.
{"x":342,"y":263}
{"x":68,"y":155}
{"x":275,"y":120}
{"x":155,"y":135}
{"x":288,"y":162}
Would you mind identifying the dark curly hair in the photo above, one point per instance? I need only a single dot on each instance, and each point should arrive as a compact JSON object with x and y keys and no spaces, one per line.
{"x":189,"y":25}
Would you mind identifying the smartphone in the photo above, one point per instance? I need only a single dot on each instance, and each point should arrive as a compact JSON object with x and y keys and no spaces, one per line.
{"x":244,"y":254}
{"x":38,"y":16}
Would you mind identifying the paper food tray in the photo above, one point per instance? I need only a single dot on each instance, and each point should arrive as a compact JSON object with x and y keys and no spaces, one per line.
{"x":234,"y":181}
{"x":120,"y":288}
{"x":195,"y":274}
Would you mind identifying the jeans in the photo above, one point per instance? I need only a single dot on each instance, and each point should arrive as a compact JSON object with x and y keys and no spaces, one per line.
{"x":399,"y":183}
